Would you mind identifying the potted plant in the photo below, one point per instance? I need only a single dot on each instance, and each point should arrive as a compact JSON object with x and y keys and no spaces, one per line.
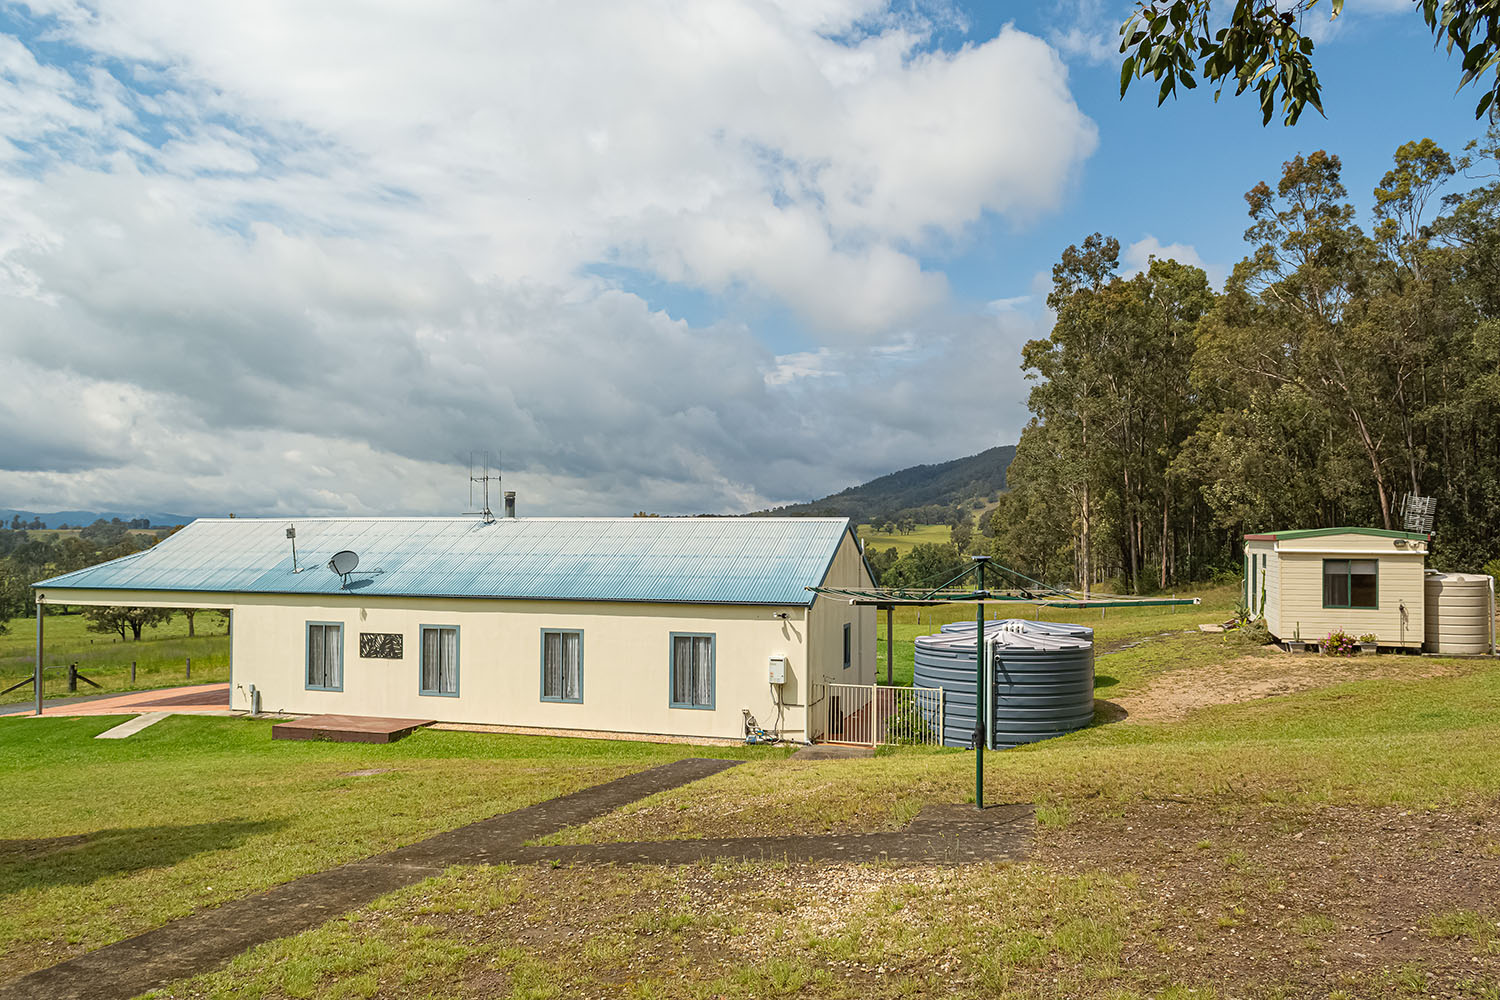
{"x":1368,"y":643}
{"x":1295,"y":644}
{"x":1339,"y":643}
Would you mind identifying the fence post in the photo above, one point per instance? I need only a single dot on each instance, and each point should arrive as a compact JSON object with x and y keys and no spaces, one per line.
{"x":132,"y":671}
{"x":942,"y":722}
{"x":72,"y":678}
{"x":189,"y":668}
{"x":874,"y":712}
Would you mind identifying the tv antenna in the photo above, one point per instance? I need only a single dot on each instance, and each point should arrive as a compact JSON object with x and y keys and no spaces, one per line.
{"x":484,"y":480}
{"x":1418,"y":513}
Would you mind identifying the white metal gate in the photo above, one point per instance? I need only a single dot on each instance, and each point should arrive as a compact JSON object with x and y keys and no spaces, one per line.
{"x":872,"y":715}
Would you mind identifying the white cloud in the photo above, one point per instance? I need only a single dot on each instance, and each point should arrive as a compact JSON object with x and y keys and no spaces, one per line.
{"x":1136,"y":257}
{"x":303,"y":257}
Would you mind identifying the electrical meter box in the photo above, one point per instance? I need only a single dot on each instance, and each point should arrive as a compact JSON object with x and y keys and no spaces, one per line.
{"x":778,"y":670}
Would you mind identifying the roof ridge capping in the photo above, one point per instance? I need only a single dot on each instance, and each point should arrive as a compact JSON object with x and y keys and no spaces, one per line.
{"x":1274,"y":536}
{"x":703,"y":518}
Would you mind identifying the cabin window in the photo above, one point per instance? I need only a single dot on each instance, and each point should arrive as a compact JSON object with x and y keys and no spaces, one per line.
{"x":325,"y":656}
{"x":848,"y":645}
{"x":692,"y":670}
{"x":1351,"y":583}
{"x":562,"y":664}
{"x":440,"y":660}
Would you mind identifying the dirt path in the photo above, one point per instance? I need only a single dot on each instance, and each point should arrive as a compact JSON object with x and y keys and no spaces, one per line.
{"x":944,"y":835}
{"x":209,"y":938}
{"x":1172,"y":696}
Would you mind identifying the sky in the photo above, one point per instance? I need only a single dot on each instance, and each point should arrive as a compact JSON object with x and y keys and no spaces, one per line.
{"x":711,"y":256}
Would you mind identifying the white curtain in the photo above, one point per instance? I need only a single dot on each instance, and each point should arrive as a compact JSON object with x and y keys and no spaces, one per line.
{"x":325,"y":656}
{"x":440,"y":660}
{"x":692,"y":674}
{"x":561,"y":674}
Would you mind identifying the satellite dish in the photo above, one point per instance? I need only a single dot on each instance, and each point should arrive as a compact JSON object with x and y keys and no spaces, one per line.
{"x":343,"y":563}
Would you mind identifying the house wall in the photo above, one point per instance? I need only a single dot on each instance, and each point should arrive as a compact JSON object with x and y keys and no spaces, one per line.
{"x":1301,"y":590}
{"x":626,"y":659}
{"x":1266,"y":579}
{"x":827,"y":617}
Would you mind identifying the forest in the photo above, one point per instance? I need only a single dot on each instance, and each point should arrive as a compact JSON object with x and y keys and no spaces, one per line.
{"x":1341,"y":367}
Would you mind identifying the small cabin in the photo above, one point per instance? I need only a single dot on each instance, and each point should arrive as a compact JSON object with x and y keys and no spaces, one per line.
{"x":1366,"y":581}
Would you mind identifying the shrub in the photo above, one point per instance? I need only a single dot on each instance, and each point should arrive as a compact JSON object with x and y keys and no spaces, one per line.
{"x":1368,"y":639}
{"x":1338,"y":643}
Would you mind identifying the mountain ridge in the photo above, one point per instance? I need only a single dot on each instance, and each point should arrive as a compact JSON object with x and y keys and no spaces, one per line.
{"x":955,"y":481}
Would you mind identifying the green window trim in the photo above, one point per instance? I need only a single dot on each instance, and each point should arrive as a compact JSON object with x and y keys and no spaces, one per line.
{"x":1333,"y":571}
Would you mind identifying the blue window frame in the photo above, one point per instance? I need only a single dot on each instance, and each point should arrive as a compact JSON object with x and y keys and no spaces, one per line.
{"x":562,"y":665}
{"x":439,"y":668}
{"x":848,"y":645}
{"x":692,"y":670}
{"x":325,"y":656}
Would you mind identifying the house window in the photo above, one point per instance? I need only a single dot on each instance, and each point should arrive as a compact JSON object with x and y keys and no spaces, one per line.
{"x":325,"y":656}
{"x":692,"y":670}
{"x":1351,"y":583}
{"x":562,"y":664}
{"x":848,"y":645}
{"x":440,"y":660}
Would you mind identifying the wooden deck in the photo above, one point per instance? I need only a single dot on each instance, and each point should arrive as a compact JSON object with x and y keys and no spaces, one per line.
{"x":347,"y":728}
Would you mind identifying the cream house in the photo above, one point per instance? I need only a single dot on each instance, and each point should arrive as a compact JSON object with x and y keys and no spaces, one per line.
{"x":671,"y":626}
{"x":1362,"y":580}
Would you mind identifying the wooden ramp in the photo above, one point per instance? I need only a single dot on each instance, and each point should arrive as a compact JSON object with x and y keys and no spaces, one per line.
{"x":347,"y":728}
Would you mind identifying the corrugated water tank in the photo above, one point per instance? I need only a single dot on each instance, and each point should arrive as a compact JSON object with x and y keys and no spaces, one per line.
{"x":1458,"y":615}
{"x":1042,"y":679}
{"x":1026,"y":626}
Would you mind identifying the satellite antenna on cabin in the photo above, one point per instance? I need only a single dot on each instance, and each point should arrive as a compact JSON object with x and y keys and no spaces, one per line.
{"x":343,"y":563}
{"x":1418,"y":513}
{"x":484,"y":481}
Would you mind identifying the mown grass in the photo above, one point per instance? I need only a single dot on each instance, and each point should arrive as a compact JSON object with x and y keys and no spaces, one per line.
{"x":1424,"y":741}
{"x":103,"y":839}
{"x":160,"y":657}
{"x":1112,"y":626}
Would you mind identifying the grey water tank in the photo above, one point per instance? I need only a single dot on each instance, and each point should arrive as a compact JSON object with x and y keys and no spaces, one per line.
{"x":1042,"y":682}
{"x":1025,"y":626}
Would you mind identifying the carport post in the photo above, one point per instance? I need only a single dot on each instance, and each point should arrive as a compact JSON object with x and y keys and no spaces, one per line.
{"x":890,"y":643}
{"x":36,"y":682}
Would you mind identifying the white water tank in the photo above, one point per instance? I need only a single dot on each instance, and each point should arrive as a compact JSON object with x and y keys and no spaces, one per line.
{"x":1457,"y":613}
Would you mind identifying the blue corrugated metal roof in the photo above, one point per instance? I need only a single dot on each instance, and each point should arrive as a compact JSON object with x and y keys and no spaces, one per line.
{"x":712,"y":560}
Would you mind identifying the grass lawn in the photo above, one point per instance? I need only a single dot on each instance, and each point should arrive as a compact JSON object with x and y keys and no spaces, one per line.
{"x":160,"y":656}
{"x":1113,"y":627}
{"x":1338,"y":842}
{"x":104,"y":839}
{"x":922,"y":534}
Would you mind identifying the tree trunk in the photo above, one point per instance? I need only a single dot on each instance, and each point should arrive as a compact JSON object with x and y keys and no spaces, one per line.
{"x":189,"y":612}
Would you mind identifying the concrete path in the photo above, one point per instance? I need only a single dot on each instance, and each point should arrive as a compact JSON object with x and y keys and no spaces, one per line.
{"x":132,"y":726}
{"x":207,"y":939}
{"x":192,"y":699}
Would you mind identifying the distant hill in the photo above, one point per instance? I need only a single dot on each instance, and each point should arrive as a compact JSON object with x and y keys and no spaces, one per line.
{"x":82,"y":518}
{"x":943,"y":484}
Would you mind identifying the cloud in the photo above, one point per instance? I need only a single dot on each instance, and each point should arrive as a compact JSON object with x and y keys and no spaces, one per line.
{"x":1137,"y":257}
{"x":303,"y":257}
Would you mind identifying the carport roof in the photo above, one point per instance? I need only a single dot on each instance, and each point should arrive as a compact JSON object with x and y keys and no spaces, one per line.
{"x":707,"y":560}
